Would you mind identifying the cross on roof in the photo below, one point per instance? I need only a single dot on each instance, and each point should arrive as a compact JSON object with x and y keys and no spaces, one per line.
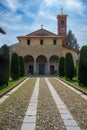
{"x":61,"y":10}
{"x":41,"y":26}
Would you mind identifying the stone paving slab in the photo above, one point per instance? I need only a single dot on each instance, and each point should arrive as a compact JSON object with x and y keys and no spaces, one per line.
{"x":62,"y":106}
{"x":31,"y":113}
{"x":64,"y":111}
{"x":28,"y":126}
{"x":29,"y":119}
{"x":68,"y":120}
{"x":70,"y":123}
{"x":66,"y":116}
{"x":73,"y":128}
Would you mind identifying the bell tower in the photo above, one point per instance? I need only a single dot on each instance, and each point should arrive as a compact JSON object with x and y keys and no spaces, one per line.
{"x":62,"y":23}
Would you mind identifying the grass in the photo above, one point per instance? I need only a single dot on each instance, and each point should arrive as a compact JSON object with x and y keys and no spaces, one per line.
{"x":74,"y":82}
{"x":11,"y":84}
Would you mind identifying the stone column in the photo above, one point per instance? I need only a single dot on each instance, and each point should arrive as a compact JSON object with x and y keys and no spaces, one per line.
{"x":48,"y":67}
{"x":34,"y":66}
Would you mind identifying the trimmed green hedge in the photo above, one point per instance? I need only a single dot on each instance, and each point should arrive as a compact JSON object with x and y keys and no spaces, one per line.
{"x":15,"y":66}
{"x":82,"y":69}
{"x":4,"y":64}
{"x":69,"y":66}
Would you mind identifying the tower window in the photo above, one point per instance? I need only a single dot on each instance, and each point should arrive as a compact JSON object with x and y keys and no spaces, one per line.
{"x":28,"y":42}
{"x":41,"y":42}
{"x":54,"y":42}
{"x":62,"y":22}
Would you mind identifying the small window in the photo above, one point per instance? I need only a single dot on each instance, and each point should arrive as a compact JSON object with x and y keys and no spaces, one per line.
{"x":54,"y":42}
{"x":28,"y":42}
{"x":41,"y":42}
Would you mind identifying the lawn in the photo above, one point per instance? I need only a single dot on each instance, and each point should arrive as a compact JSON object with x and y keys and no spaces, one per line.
{"x":11,"y":84}
{"x":74,"y":82}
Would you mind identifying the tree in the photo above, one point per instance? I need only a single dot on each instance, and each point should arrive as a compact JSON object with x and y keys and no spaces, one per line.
{"x":15,"y":66}
{"x":69,"y":66}
{"x":72,"y":41}
{"x":82,"y":68}
{"x":61,"y":66}
{"x":21,"y":61}
{"x":4,"y":65}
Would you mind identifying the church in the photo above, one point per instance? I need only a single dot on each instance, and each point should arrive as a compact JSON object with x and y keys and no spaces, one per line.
{"x":42,"y":49}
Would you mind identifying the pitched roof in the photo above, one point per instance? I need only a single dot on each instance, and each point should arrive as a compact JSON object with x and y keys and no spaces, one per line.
{"x":2,"y":31}
{"x":41,"y":32}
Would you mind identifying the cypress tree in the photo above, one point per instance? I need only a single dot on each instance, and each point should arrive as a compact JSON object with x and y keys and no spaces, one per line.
{"x":21,"y":61}
{"x":82,"y":68}
{"x":15,"y":66}
{"x":61,"y":66}
{"x":69,"y":66}
{"x":4,"y":65}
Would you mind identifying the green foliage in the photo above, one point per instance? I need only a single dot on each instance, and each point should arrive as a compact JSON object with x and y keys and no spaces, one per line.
{"x":69,"y":66}
{"x":15,"y":66}
{"x":4,"y":65}
{"x":82,"y":69}
{"x":72,"y":41}
{"x":21,"y":61}
{"x":61,"y":66}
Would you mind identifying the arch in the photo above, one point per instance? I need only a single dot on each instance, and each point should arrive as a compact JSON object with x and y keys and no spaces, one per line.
{"x":29,"y":64}
{"x":53,"y":63}
{"x":41,"y":64}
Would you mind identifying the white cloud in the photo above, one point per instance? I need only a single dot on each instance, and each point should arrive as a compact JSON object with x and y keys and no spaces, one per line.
{"x":11,"y":4}
{"x":76,"y":6}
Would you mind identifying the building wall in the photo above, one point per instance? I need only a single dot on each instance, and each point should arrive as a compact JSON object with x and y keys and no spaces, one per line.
{"x":48,"y":49}
{"x":73,"y":52}
{"x":35,"y":49}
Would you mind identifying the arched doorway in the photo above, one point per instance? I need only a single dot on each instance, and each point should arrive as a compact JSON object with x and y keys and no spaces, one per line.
{"x":41,"y":65}
{"x":29,"y":64}
{"x":53,"y":62}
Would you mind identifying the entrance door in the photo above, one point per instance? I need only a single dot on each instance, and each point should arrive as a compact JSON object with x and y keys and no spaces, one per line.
{"x":52,"y":69}
{"x":31,"y":69}
{"x":41,"y":68}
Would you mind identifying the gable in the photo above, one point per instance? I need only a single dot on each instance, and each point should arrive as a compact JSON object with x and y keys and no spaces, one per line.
{"x":41,"y":32}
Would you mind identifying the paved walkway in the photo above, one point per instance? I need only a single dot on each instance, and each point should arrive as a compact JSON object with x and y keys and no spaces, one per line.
{"x":29,"y":122}
{"x":68,"y":120}
{"x":56,"y":112}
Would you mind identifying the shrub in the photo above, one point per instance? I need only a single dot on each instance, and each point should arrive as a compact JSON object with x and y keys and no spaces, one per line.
{"x":21,"y":61}
{"x":61,"y":66}
{"x":69,"y":66}
{"x":15,"y":66}
{"x":82,"y":68}
{"x":4,"y":65}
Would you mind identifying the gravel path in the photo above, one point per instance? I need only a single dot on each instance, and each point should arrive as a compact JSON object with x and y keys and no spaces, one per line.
{"x":75,"y":103}
{"x":12,"y":111}
{"x":48,"y":116}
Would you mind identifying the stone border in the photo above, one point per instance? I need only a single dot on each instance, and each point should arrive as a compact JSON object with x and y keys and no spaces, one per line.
{"x":5,"y":96}
{"x":73,"y":86}
{"x":1,"y":95}
{"x":81,"y":93}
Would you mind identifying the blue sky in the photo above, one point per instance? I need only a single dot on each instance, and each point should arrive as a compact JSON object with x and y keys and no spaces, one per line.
{"x":21,"y":17}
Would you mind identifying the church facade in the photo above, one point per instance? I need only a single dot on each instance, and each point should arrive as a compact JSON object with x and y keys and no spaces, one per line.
{"x":41,"y":49}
